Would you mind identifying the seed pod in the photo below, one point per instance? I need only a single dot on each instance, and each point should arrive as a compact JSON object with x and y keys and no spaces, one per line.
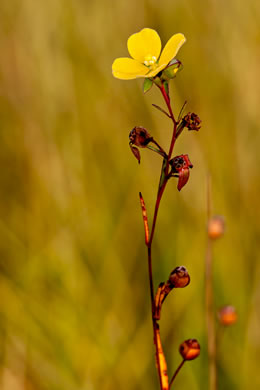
{"x":191,"y":121}
{"x":216,"y":227}
{"x":189,"y":349}
{"x":227,"y":315}
{"x":180,"y":162}
{"x":179,"y":277}
{"x":180,"y":168}
{"x":140,"y":137}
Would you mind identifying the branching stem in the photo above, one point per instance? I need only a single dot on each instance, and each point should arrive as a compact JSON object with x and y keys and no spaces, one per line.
{"x":149,"y":245}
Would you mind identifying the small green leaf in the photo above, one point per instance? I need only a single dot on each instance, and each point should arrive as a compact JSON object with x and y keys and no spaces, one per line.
{"x":148,"y":83}
{"x":162,"y":178}
{"x":166,"y":87}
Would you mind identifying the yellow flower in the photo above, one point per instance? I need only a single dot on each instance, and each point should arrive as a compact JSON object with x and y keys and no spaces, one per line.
{"x":145,"y":48}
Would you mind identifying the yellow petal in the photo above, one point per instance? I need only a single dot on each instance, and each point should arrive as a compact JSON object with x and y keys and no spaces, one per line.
{"x":171,"y":48}
{"x":127,"y":69}
{"x":144,"y":43}
{"x":154,"y":72}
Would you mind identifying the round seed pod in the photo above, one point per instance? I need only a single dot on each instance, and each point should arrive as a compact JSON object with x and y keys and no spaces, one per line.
{"x":189,"y":349}
{"x":140,"y":137}
{"x":179,"y":277}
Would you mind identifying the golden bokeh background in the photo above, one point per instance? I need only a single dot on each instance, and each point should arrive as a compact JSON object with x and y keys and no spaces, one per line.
{"x":75,"y":309}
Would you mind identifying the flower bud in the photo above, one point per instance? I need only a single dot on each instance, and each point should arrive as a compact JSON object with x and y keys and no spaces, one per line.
{"x":216,"y":227}
{"x":189,"y":349}
{"x":172,"y":68}
{"x":179,"y":277}
{"x":139,"y":136}
{"x":227,"y":315}
{"x":191,"y":121}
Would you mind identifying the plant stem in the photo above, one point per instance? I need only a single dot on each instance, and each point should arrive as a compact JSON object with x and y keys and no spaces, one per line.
{"x":211,"y":333}
{"x":176,"y":373}
{"x":167,"y":101}
{"x":149,"y":245}
{"x":175,"y":124}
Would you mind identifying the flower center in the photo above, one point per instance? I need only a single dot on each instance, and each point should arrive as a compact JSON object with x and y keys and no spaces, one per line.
{"x":150,"y":61}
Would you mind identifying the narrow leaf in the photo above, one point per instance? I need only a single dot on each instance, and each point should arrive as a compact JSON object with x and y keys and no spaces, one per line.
{"x":166,"y":87}
{"x":180,"y":128}
{"x":144,"y":214}
{"x":162,"y":178}
{"x":160,"y":152}
{"x":182,"y":109}
{"x":147,"y":85}
{"x":161,"y":109}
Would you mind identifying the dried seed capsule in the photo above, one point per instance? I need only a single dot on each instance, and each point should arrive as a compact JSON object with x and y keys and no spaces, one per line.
{"x":179,"y":277}
{"x":189,"y":349}
{"x":139,"y":136}
{"x":180,"y":162}
{"x":181,"y":168}
{"x":216,"y":227}
{"x":227,"y":315}
{"x":191,"y":121}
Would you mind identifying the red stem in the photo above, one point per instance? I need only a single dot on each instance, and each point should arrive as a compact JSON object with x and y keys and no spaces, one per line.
{"x":161,"y":191}
{"x":156,"y":209}
{"x":167,"y":101}
{"x":176,"y":373}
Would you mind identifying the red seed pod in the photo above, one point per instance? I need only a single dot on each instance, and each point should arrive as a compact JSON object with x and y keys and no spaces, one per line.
{"x":189,"y":349}
{"x":216,"y":227}
{"x":180,"y":167}
{"x":227,"y":315}
{"x":179,"y":277}
{"x":180,"y":162}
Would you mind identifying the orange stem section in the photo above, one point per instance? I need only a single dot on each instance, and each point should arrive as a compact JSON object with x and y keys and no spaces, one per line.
{"x":144,"y":213}
{"x":162,"y":361}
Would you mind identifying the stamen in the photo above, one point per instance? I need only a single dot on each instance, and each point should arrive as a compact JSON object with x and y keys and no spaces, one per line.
{"x":150,"y":61}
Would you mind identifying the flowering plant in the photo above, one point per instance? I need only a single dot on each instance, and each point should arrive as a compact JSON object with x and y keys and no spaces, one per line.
{"x":158,"y":69}
{"x":145,"y":47}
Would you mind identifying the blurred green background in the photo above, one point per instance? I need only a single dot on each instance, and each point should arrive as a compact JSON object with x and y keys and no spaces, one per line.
{"x":75,"y":308}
